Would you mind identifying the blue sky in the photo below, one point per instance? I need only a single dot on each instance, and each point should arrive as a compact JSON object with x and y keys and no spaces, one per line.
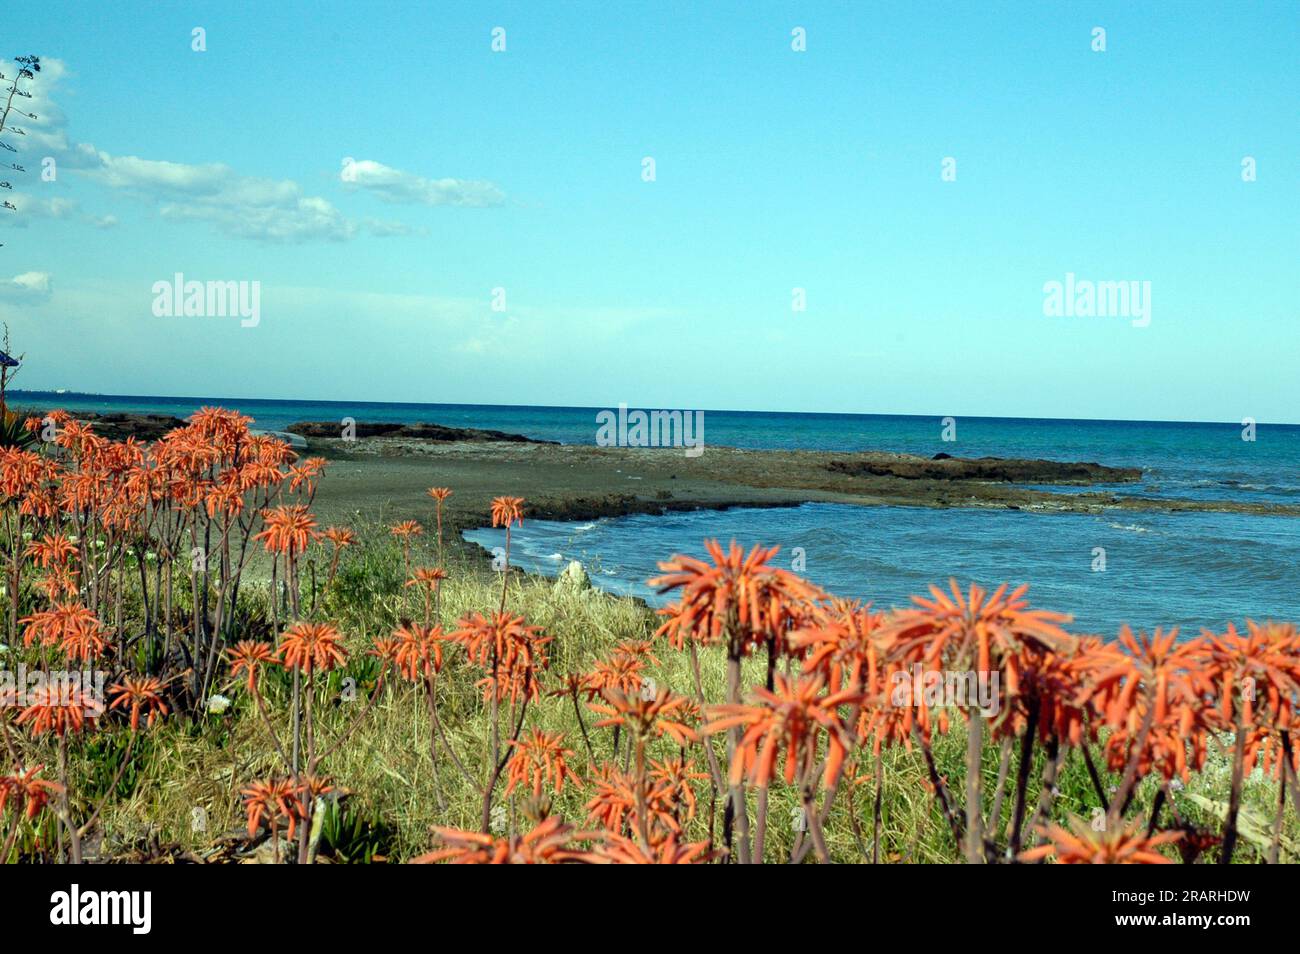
{"x":775,"y":170}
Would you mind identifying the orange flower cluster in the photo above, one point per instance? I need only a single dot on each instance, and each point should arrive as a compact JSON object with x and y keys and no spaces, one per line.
{"x":740,"y":596}
{"x":29,"y":789}
{"x":512,"y":653}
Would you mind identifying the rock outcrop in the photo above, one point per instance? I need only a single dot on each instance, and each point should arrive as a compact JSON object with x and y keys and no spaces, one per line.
{"x":119,"y":426}
{"x":418,"y":432}
{"x":1011,"y":470}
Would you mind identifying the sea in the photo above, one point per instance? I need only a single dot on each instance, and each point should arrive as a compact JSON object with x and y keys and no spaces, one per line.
{"x":1187,"y":569}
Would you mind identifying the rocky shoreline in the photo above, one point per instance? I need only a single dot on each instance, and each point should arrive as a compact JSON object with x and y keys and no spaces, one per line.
{"x":389,"y":467}
{"x":118,"y":426}
{"x":583,"y":482}
{"x":1011,"y":470}
{"x":413,"y":432}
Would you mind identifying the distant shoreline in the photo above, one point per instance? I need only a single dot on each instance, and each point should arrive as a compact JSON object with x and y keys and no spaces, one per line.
{"x":576,"y":482}
{"x":391,"y":472}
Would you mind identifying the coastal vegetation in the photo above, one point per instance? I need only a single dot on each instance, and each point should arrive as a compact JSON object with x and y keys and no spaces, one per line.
{"x":211,"y":673}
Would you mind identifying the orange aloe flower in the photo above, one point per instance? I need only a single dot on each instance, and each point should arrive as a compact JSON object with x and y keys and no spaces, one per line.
{"x":312,"y":647}
{"x":71,"y":626}
{"x":340,"y":537}
{"x":647,"y":718}
{"x":429,"y":580}
{"x":1080,"y":845}
{"x":20,"y":472}
{"x":1158,"y":666}
{"x":974,"y":630}
{"x":304,"y":475}
{"x":84,"y":641}
{"x":675,"y":777}
{"x":739,"y":591}
{"x":385,"y":649}
{"x":619,"y":850}
{"x":288,"y":530}
{"x":417,"y":650}
{"x":143,"y":694}
{"x":406,"y":529}
{"x":548,"y":843}
{"x":428,"y":577}
{"x":507,"y":511}
{"x":539,"y":760}
{"x":1140,"y":678}
{"x":641,"y":649}
{"x":788,"y":719}
{"x":1260,"y":668}
{"x":613,"y":804}
{"x":621,"y":671}
{"x":513,"y":681}
{"x":249,"y":656}
{"x":27,"y":787}
{"x":310,"y":788}
{"x":227,"y":497}
{"x":60,"y":707}
{"x":272,"y":801}
{"x":51,"y":549}
{"x":440,"y":495}
{"x":504,"y":637}
{"x":885,"y":724}
{"x":841,"y":645}
{"x":57,"y":624}
{"x":60,"y":582}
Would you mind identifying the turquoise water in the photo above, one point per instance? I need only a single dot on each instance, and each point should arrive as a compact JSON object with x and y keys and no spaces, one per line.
{"x":1185,"y":569}
{"x":1189,"y":569}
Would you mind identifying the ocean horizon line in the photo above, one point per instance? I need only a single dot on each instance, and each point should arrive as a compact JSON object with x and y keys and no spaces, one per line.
{"x":54,"y":395}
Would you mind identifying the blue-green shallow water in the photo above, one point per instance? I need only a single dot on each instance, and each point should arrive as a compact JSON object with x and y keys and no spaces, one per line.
{"x":1184,"y":569}
{"x":1189,"y":570}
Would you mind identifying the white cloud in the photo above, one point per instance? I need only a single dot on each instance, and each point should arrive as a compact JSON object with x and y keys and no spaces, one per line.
{"x":28,"y":286}
{"x":398,"y":187}
{"x":30,"y":207}
{"x":216,"y":194}
{"x":273,"y":210}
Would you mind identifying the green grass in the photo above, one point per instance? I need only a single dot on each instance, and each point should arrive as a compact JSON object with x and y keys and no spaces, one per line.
{"x":195,"y":769}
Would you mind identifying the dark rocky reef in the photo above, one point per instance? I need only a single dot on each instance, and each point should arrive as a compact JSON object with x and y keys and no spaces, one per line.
{"x":417,"y":432}
{"x":621,"y":505}
{"x":118,"y":426}
{"x":1011,"y":470}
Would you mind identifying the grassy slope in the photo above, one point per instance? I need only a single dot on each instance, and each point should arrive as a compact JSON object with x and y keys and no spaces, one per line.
{"x":387,"y":767}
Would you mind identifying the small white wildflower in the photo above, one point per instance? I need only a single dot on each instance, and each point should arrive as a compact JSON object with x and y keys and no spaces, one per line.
{"x":218,"y":704}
